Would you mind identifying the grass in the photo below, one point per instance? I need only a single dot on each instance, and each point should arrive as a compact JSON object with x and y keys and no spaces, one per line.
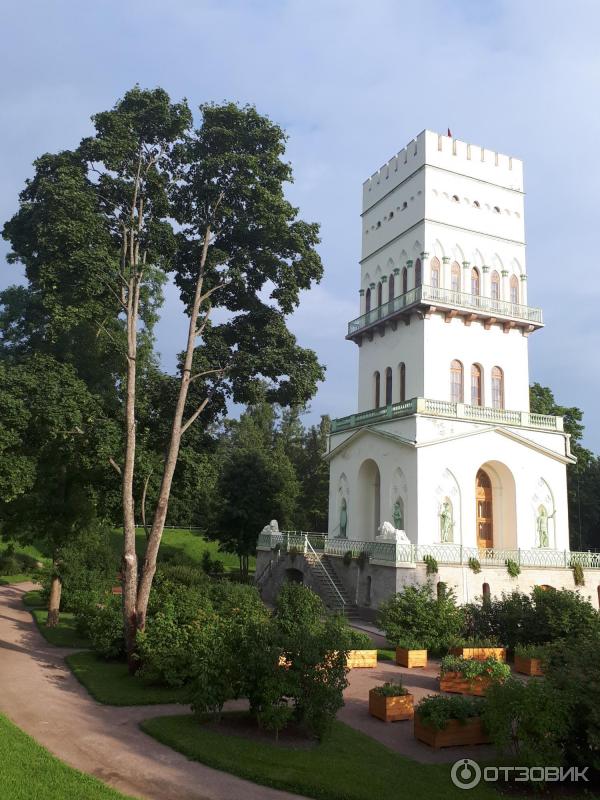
{"x":29,"y":550}
{"x":182,"y":542}
{"x":348,"y":765}
{"x":33,"y":599}
{"x":109,"y":682}
{"x":386,"y":655}
{"x":5,"y":580}
{"x":62,"y":635}
{"x":28,"y":770}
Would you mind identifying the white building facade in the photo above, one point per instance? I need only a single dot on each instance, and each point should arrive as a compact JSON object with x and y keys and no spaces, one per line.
{"x":443,"y":445}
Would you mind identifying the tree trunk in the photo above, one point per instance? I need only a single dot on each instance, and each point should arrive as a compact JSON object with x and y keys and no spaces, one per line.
{"x":54,"y":602}
{"x":177,"y":430}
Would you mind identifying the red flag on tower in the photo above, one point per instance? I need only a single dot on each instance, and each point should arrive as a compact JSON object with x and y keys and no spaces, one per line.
{"x":449,"y":133}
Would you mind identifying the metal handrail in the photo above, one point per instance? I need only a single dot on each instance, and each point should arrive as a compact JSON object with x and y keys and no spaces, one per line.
{"x":324,"y":568}
{"x":447,"y":297}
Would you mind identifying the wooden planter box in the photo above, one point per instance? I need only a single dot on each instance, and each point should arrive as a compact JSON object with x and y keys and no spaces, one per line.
{"x":528,"y":666}
{"x":411,"y":658}
{"x":455,"y":733}
{"x":391,"y":709}
{"x":480,"y":653}
{"x":454,"y":682}
{"x":358,"y":659}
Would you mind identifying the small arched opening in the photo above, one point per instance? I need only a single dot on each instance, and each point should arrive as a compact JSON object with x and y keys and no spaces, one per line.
{"x":376,"y":389}
{"x":293,"y":575}
{"x":369,"y":500}
{"x":388,"y":386}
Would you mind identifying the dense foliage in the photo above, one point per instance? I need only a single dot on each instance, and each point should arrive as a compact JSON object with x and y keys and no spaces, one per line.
{"x":437,"y":710}
{"x":471,"y":668}
{"x":419,"y":614}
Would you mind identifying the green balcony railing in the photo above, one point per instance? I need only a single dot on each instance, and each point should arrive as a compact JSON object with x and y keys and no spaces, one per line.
{"x":444,"y":408}
{"x":398,"y":554}
{"x":446,"y":297}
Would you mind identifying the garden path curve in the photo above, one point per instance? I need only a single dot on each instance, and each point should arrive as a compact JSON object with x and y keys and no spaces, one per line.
{"x":40,"y":695}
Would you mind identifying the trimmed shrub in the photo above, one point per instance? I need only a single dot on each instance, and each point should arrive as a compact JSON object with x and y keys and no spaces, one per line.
{"x":416,"y":613}
{"x":104,"y":626}
{"x":527,"y":721}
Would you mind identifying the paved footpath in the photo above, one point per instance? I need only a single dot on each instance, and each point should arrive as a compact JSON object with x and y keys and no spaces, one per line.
{"x":40,"y":695}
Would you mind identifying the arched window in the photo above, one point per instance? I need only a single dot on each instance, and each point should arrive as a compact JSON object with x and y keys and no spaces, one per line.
{"x":402,"y":380}
{"x":379,"y":293}
{"x":455,"y":277}
{"x":388,"y":386}
{"x":367,"y":301}
{"x":404,"y":281}
{"x":486,"y":591}
{"x":495,"y":286}
{"x":435,"y":273}
{"x":418,"y":275}
{"x":497,"y":388}
{"x":514,"y":289}
{"x":456,"y":382}
{"x":377,"y":389}
{"x":391,"y":287}
{"x":475,"y":283}
{"x":476,"y":385}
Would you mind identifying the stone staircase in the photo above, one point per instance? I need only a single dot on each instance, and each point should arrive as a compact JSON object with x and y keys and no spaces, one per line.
{"x":325,"y":578}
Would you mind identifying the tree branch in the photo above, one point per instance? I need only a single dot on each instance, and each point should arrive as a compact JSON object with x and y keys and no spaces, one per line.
{"x":144,"y":493}
{"x":219,"y":370}
{"x":114,"y":464}
{"x":195,"y":415}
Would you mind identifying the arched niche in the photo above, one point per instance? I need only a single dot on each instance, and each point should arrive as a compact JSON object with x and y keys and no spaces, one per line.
{"x":369,"y":500}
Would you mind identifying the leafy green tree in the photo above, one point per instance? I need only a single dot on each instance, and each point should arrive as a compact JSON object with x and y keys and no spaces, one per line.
{"x":583,"y":477}
{"x":63,"y":436}
{"x":257,"y":483}
{"x":95,"y":235}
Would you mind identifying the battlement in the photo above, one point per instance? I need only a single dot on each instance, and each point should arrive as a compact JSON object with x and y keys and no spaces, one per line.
{"x":447,"y":153}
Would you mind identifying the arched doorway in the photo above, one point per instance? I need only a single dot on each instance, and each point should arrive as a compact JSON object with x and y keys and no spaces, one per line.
{"x":484,"y":510}
{"x":369,"y":500}
{"x":293,"y":575}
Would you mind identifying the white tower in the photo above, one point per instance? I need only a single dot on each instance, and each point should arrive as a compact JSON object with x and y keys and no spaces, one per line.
{"x":443,"y":445}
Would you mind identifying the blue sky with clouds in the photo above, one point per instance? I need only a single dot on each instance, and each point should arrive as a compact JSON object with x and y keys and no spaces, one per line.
{"x":352,"y":83}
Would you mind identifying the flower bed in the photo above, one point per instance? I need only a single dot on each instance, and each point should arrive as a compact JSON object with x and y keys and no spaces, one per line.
{"x":479,"y":653}
{"x":528,"y":660}
{"x":470,"y":676}
{"x":449,"y":721}
{"x":391,"y":702}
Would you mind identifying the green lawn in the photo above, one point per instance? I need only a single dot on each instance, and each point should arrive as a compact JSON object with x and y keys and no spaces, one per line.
{"x":28,"y":770}
{"x":184,"y":542}
{"x":33,"y":599}
{"x":386,"y":655}
{"x":62,"y":635}
{"x":5,"y":580}
{"x":109,"y":682}
{"x":30,"y":550}
{"x":348,"y":765}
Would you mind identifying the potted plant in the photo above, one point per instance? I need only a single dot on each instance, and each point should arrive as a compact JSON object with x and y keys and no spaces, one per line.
{"x":411,"y":653}
{"x":470,"y":676}
{"x":528,"y":659}
{"x":391,"y":702}
{"x":480,"y":649}
{"x":449,"y":721}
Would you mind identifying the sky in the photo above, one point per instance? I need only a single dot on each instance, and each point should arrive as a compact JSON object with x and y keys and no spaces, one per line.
{"x":352,"y":83}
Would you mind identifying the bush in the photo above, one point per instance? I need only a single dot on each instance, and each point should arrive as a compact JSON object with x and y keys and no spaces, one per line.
{"x":526,"y":720}
{"x":474,"y":565}
{"x":578,"y":575}
{"x":410,"y":643}
{"x":471,"y":668}
{"x":571,"y":674}
{"x":562,"y":614}
{"x":531,"y":651}
{"x":292,"y":664}
{"x":416,"y":614}
{"x":390,"y":690}
{"x":212,"y":566}
{"x":104,"y":626}
{"x":14,"y":563}
{"x":437,"y":710}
